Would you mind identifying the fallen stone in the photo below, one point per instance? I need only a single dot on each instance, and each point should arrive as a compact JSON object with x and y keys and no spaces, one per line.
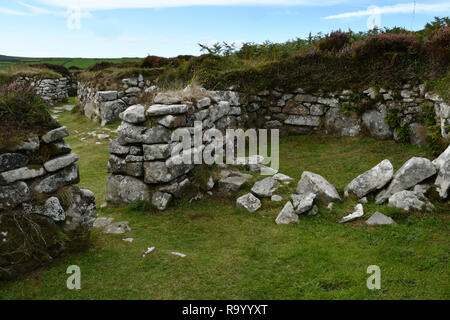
{"x":276,"y":198}
{"x":316,"y":184}
{"x":410,"y":174}
{"x":210,"y":184}
{"x":161,"y":200}
{"x":287,"y":215}
{"x":178,"y":254}
{"x":130,"y":240}
{"x":282,"y":177}
{"x":380,"y":219}
{"x":249,"y":202}
{"x":443,"y":180}
{"x":359,"y":212}
{"x":232,"y":184}
{"x":444,"y":157}
{"x":374,"y":179}
{"x":313,"y":212}
{"x":303,"y":203}
{"x":410,"y":201}
{"x":148,"y":251}
{"x":266,"y":187}
{"x":103,"y":222}
{"x":117,"y":228}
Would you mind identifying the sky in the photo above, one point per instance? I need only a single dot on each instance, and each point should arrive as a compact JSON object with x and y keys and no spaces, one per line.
{"x":136,"y":28}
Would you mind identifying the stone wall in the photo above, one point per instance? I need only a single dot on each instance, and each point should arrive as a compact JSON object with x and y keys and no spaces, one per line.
{"x":42,"y":213}
{"x":52,"y":91}
{"x":105,"y":106}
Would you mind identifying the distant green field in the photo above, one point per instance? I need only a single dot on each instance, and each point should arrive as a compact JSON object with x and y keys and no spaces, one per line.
{"x":82,"y":63}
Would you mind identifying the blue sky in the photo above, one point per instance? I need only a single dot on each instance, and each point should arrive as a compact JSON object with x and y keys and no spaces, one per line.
{"x":135,"y":28}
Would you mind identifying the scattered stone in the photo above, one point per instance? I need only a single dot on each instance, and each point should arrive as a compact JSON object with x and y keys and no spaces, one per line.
{"x":267,"y":171}
{"x":104,"y":205}
{"x":313,"y":212}
{"x":117,"y":228}
{"x":316,"y":184}
{"x":380,"y":219}
{"x":443,"y":180}
{"x":103,"y":222}
{"x":181,"y":255}
{"x":359,"y":212}
{"x":276,"y":198}
{"x":287,"y":215}
{"x":282,"y":177}
{"x":210,"y":185}
{"x":249,"y":202}
{"x":330,"y":206}
{"x":266,"y":187}
{"x":409,"y":201}
{"x":161,"y":200}
{"x":374,"y":179}
{"x":444,"y":157}
{"x":303,"y":203}
{"x":148,"y":251}
{"x":130,"y":240}
{"x":232,"y":184}
{"x":410,"y":174}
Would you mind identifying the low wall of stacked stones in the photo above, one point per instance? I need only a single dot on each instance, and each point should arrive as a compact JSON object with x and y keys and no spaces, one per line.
{"x":42,"y":212}
{"x":141,"y":163}
{"x":52,"y":91}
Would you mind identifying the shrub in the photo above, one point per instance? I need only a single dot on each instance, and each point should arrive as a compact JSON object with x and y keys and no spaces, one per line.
{"x":334,"y":42}
{"x":376,"y":45}
{"x":22,"y":111}
{"x":439,"y":45}
{"x":154,"y":62}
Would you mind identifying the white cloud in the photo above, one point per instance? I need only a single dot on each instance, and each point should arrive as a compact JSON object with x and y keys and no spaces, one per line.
{"x":124,"y":4}
{"x":399,"y":8}
{"x":13,"y":12}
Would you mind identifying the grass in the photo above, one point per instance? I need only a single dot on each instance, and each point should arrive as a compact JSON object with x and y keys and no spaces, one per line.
{"x":82,"y":63}
{"x":232,"y":254}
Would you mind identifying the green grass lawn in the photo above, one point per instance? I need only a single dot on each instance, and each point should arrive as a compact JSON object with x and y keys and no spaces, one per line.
{"x":232,"y":254}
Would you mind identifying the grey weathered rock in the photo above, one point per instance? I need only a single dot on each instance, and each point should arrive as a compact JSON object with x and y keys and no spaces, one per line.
{"x":30,"y":144}
{"x":103,"y":222}
{"x":171,"y":121}
{"x":156,"y":135}
{"x":161,"y":200}
{"x":444,"y":157}
{"x":132,"y":134}
{"x":203,"y":103}
{"x":24,"y":173}
{"x":81,"y":215}
{"x":126,"y":190}
{"x":67,"y":176}
{"x":55,"y":135}
{"x":359,"y":212}
{"x":167,"y":98}
{"x":282,"y":177}
{"x":249,"y":202}
{"x":409,"y":200}
{"x":131,"y":166}
{"x":287,"y":215}
{"x":60,"y":162}
{"x":106,"y":95}
{"x":443,"y":180}
{"x":374,"y":121}
{"x":134,"y":114}
{"x":265,"y":187}
{"x":156,"y":152}
{"x":110,"y":111}
{"x":232,"y":184}
{"x":410,"y":174}
{"x":219,"y":110}
{"x":342,"y":125}
{"x":162,"y":110}
{"x":303,"y":203}
{"x":374,"y":179}
{"x":117,"y":228}
{"x":313,"y":212}
{"x":14,"y":194}
{"x":380,"y":219}
{"x":178,"y":188}
{"x":309,"y":121}
{"x":210,"y":184}
{"x":316,"y":184}
{"x":116,"y":148}
{"x":51,"y":209}
{"x":276,"y":198}
{"x":11,"y":161}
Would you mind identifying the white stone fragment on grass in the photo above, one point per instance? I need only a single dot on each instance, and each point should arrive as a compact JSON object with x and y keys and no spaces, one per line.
{"x":359,"y":212}
{"x":380,"y":219}
{"x":282,"y":177}
{"x":276,"y":198}
{"x":130,"y":240}
{"x":148,"y":251}
{"x":182,"y":255}
{"x":117,"y":228}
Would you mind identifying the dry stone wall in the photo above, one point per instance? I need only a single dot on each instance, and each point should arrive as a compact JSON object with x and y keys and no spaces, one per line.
{"x":52,"y":91}
{"x":42,"y":212}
